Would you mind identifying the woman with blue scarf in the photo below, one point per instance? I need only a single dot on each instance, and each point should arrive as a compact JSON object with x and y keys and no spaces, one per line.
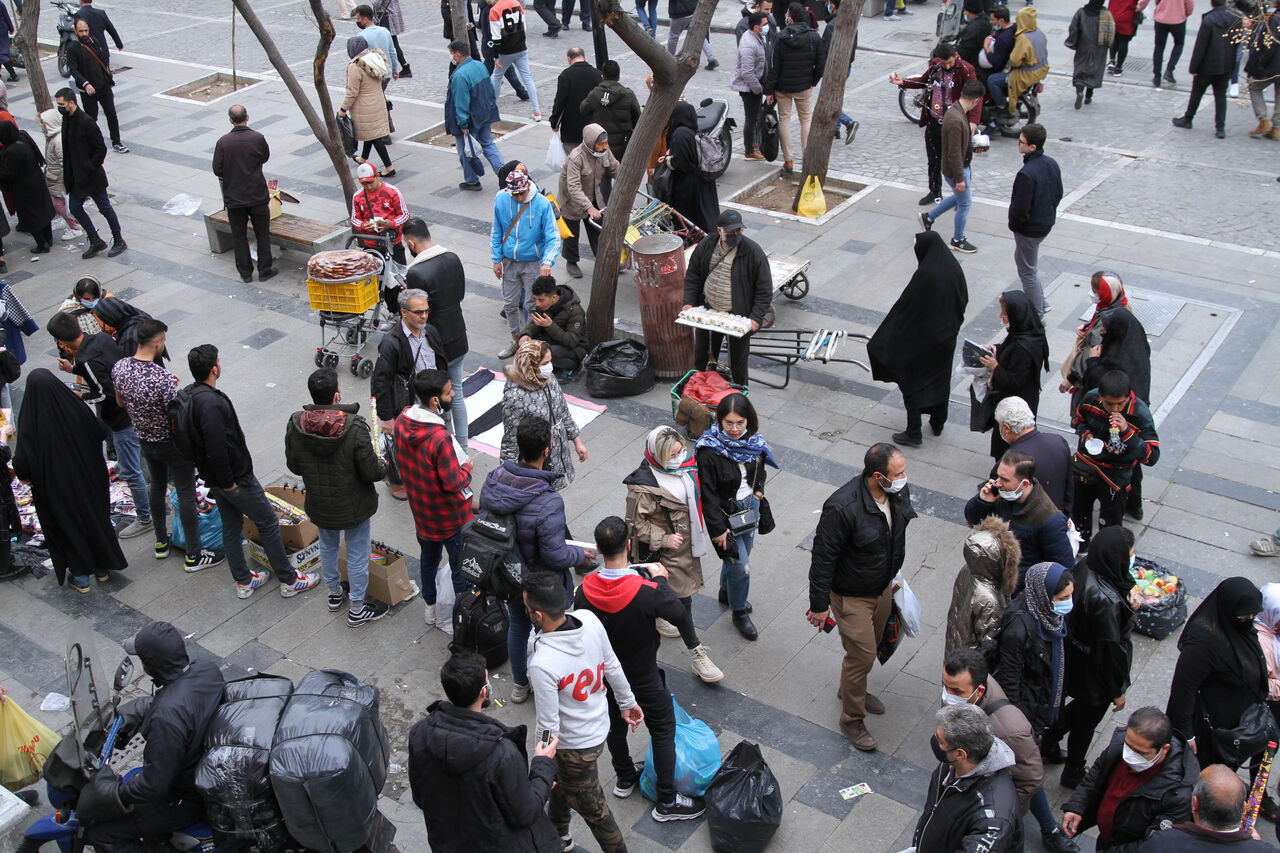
{"x":732,"y":456}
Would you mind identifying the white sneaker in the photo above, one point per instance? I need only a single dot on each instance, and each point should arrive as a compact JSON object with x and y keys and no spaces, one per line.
{"x":519,"y":693}
{"x":508,"y":351}
{"x":302,"y":582}
{"x":1233,"y":90}
{"x":256,"y":579}
{"x":429,"y":615}
{"x":68,"y":234}
{"x":703,"y":667}
{"x":666,"y":629}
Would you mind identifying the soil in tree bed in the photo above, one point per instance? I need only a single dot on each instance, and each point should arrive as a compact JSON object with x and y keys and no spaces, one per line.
{"x":436,"y":135}
{"x":777,"y":193}
{"x":210,"y":88}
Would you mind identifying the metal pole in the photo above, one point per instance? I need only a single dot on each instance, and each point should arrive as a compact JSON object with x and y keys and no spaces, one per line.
{"x":234,"y":81}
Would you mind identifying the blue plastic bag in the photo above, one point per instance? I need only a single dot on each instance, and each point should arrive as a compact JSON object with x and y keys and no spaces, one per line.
{"x":697,"y":758}
{"x":210,"y":527}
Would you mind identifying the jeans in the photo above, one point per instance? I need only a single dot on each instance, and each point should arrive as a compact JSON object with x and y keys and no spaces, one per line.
{"x":1257,"y":93}
{"x":750,"y":121}
{"x":521,"y":63}
{"x":1199,"y":84}
{"x":103,"y":203}
{"x":518,"y":628}
{"x":250,"y":500}
{"x":648,"y":12}
{"x":1235,"y":69}
{"x":998,"y":86}
{"x":357,"y":560}
{"x":429,"y":564}
{"x":1163,"y":32}
{"x":511,"y":77}
{"x":1043,"y":813}
{"x":459,"y":410}
{"x":804,"y":109}
{"x":735,"y":574}
{"x":578,"y":787}
{"x":108,"y":101}
{"x":129,"y":456}
{"x":678,"y":26}
{"x":517,"y":291}
{"x":238,"y":218}
{"x":167,"y":465}
{"x":650,"y":690}
{"x":1026,"y":256}
{"x":961,"y":201}
{"x":483,"y":139}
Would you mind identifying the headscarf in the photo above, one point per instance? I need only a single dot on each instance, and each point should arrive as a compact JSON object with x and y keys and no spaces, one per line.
{"x":1025,"y":327}
{"x":1111,"y":291}
{"x":739,"y":450}
{"x":8,"y":133}
{"x":680,"y":481}
{"x":1109,"y":559}
{"x":1042,"y":580}
{"x":1269,"y":618}
{"x":683,"y":115}
{"x":1213,"y":625}
{"x":1125,"y":347}
{"x":524,"y":367}
{"x":356,"y":45}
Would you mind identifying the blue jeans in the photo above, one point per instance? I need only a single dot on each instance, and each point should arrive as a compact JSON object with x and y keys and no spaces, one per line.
{"x":429,"y":564}
{"x":250,"y":500}
{"x":129,"y":456}
{"x":459,"y":410}
{"x":649,"y":15}
{"x":961,"y":201}
{"x":357,"y":560}
{"x":521,"y":62}
{"x":1043,"y":813}
{"x":735,"y":575}
{"x":998,"y":86}
{"x":484,"y":140}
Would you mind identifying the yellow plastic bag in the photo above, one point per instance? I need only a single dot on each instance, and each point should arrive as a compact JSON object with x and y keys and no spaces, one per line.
{"x":561,"y":225}
{"x":812,"y":202}
{"x":24,"y":745}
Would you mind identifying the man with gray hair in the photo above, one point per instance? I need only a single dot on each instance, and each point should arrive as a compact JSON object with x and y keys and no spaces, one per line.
{"x":972,"y":802}
{"x":1016,"y":424}
{"x":238,"y":158}
{"x":1217,"y":802}
{"x":410,"y":346}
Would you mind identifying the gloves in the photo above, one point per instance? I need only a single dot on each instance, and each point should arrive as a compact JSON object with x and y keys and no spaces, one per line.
{"x":100,"y":799}
{"x":132,"y":713}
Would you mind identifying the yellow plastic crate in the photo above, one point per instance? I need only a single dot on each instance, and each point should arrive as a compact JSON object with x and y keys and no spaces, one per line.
{"x":353,"y":296}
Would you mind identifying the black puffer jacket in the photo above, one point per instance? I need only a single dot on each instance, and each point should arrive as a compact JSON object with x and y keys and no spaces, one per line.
{"x":1165,"y":798}
{"x":331,"y":448}
{"x":615,"y":108}
{"x":1025,"y":668}
{"x":1099,"y":645}
{"x":797,"y":60}
{"x":476,"y":789}
{"x":568,"y":324}
{"x":854,"y":551}
{"x":1213,"y":55}
{"x":977,"y":812}
{"x":187,"y":696}
{"x":1264,"y":49}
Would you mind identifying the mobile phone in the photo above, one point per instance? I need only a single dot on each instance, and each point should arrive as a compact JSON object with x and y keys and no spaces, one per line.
{"x":828,"y":625}
{"x":545,"y":740}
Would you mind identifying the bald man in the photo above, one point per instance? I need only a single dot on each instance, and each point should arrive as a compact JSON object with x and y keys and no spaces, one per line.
{"x":1216,"y":804}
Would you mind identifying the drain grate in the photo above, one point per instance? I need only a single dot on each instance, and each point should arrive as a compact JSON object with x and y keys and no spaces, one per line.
{"x":1154,"y":310}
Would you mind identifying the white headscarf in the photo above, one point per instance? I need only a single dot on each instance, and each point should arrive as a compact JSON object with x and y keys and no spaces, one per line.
{"x":681,"y":482}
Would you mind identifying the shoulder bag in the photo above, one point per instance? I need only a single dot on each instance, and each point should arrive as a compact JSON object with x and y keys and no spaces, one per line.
{"x":1235,"y":746}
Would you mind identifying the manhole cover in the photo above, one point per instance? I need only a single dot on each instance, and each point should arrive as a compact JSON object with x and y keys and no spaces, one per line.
{"x":1154,"y":310}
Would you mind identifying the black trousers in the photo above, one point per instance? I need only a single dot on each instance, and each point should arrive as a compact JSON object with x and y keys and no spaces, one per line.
{"x":381,"y":146}
{"x":1163,"y":32}
{"x":933,"y":150}
{"x":1134,"y":500}
{"x":1077,"y":721}
{"x":108,"y":102}
{"x":937,"y":417}
{"x":1120,"y":50}
{"x":1110,"y":505}
{"x":706,"y":349}
{"x":239,"y":218}
{"x":546,"y":10}
{"x":751,"y":120}
{"x":1199,"y":84}
{"x":569,"y":245}
{"x":650,"y":689}
{"x":150,"y":821}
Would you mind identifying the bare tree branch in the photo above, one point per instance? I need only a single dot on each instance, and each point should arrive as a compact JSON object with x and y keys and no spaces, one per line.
{"x":327,"y":35}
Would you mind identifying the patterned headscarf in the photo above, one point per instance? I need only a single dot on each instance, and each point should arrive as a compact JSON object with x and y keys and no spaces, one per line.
{"x":524,"y":367}
{"x":1042,"y":580}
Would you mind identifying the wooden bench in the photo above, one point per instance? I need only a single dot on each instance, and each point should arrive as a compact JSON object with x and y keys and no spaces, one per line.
{"x":287,"y":232}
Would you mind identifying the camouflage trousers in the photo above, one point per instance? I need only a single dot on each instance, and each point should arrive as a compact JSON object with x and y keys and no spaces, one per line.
{"x":578,"y":788}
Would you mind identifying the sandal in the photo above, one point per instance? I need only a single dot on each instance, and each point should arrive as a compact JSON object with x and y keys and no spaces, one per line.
{"x":360,"y":161}
{"x":1265,"y":547}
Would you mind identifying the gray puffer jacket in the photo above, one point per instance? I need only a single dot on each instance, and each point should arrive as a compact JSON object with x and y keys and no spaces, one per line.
{"x":520,"y":401}
{"x":983,"y":587}
{"x":753,"y":64}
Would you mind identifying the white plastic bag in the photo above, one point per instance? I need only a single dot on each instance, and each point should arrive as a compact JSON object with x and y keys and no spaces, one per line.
{"x":909,"y":606}
{"x":182,"y":205}
{"x":555,"y":153}
{"x":445,"y":596}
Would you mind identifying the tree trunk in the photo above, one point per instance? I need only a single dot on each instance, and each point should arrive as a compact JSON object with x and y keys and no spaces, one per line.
{"x":327,"y":35}
{"x":458,"y":18}
{"x":27,"y":41}
{"x":316,"y":123}
{"x":670,"y":74}
{"x":826,"y":111}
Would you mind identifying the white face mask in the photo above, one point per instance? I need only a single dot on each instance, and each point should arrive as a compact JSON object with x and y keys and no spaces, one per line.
{"x":679,"y":459}
{"x":953,"y":699}
{"x":894,"y":486}
{"x":545,"y":370}
{"x":1013,"y":495}
{"x":1135,"y":761}
{"x":595,"y":153}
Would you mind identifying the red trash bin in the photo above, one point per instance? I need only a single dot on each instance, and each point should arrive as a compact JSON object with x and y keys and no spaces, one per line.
{"x":659,"y":266}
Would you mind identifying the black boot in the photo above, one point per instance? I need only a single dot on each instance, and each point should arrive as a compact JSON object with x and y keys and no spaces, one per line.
{"x":742,"y":621}
{"x":1079,"y":96}
{"x":1072,"y":774}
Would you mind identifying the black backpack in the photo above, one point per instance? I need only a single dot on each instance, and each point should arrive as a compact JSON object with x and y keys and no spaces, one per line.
{"x":480,"y":625}
{"x":490,"y":557}
{"x":187,"y":439}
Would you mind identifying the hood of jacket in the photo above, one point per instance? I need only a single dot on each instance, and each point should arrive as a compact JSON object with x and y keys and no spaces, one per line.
{"x":462,"y":739}
{"x":568,"y":298}
{"x":51,"y":121}
{"x":321,"y":428}
{"x":1000,"y":757}
{"x":794,"y":30}
{"x":162,"y":651}
{"x":591,"y":132}
{"x":992,"y":553}
{"x":1026,"y":20}
{"x":417,"y":422}
{"x":510,"y":487}
{"x":426,"y":254}
{"x":567,"y":641}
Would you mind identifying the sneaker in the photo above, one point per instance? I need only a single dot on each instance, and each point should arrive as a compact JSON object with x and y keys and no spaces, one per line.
{"x":928,"y":199}
{"x":120,"y":148}
{"x":1264,"y":547}
{"x":69,"y":234}
{"x":519,"y":693}
{"x":850,"y":131}
{"x":508,"y":351}
{"x":1233,"y":90}
{"x":926,"y":222}
{"x":713,"y":65}
{"x":302,"y":581}
{"x":162,"y":550}
{"x":137,"y":527}
{"x":682,"y":808}
{"x":336,"y":600}
{"x":79,"y":586}
{"x":103,"y":576}
{"x":893,"y":17}
{"x":567,"y":841}
{"x":537,"y":116}
{"x":429,"y":615}
{"x":470,"y":187}
{"x":905,"y":11}
{"x":204,"y":559}
{"x":703,"y":667}
{"x":623,"y":788}
{"x":444,"y":618}
{"x":963,"y":245}
{"x":524,"y":96}
{"x":371,"y":610}
{"x":666,"y":629}
{"x":117,"y":247}
{"x":256,"y":579}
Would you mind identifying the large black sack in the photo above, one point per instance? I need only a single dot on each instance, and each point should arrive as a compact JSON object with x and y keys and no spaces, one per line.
{"x":234,"y":777}
{"x":329,"y":762}
{"x":744,"y":802}
{"x":619,"y":369}
{"x":480,"y":624}
{"x":347,"y":130}
{"x":1160,"y":618}
{"x":768,"y":135}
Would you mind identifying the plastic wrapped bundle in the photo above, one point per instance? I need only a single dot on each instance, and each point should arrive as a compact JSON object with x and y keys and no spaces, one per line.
{"x":329,"y":762}
{"x":233,"y":777}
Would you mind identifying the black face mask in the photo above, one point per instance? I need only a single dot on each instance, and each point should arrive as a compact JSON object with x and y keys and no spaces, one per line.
{"x":938,"y":752}
{"x":64,"y":111}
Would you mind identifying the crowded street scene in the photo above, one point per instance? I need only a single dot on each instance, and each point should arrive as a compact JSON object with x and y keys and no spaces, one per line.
{"x":688,"y":425}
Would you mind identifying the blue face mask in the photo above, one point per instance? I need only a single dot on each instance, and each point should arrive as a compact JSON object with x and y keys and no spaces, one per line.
{"x":1062,"y":608}
{"x":88,"y":303}
{"x":1133,"y":559}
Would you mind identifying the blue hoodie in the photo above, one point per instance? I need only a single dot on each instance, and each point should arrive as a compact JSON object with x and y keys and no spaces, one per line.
{"x":529,"y":495}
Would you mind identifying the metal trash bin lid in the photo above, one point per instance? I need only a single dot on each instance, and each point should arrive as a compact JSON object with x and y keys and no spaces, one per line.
{"x":657,"y":244}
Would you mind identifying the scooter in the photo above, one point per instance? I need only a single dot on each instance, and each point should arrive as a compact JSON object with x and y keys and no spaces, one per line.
{"x":66,"y":33}
{"x":913,"y":101}
{"x":714,"y":121}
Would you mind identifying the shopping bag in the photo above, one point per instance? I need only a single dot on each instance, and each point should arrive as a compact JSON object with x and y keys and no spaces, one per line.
{"x":908,"y":606}
{"x":473,"y":156}
{"x":347,"y":131}
{"x":744,"y":802}
{"x":555,"y":153}
{"x":697,"y":758}
{"x":561,"y":225}
{"x":210,"y":528}
{"x":892,"y":635}
{"x":812,"y":202}
{"x":25,"y":743}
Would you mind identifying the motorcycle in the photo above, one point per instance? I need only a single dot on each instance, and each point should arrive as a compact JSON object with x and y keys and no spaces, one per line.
{"x":714,"y":121}
{"x":912,"y":102}
{"x":66,"y":33}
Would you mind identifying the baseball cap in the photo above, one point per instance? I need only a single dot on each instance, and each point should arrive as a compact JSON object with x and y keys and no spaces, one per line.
{"x":366,"y":172}
{"x":518,"y":179}
{"x":730,"y":220}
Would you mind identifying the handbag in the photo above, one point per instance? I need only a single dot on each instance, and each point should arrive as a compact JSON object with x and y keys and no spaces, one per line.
{"x":563,"y":227}
{"x":473,"y":157}
{"x":1247,"y":738}
{"x":768,"y":136}
{"x":744,"y":521}
{"x":767,"y":524}
{"x":982,"y":414}
{"x":661,"y":182}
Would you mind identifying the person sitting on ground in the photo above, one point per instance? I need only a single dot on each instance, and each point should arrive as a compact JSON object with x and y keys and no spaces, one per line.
{"x":560,"y":321}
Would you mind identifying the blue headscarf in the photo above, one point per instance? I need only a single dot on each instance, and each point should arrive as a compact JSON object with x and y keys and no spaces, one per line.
{"x":740,"y":450}
{"x":1042,"y":580}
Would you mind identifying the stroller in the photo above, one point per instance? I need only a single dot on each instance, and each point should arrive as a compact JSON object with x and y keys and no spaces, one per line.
{"x":350,"y":309}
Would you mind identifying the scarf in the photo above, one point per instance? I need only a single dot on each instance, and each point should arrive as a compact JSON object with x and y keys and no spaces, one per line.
{"x":1106,"y":28}
{"x":1109,"y":559}
{"x":1269,"y":618}
{"x":740,"y":450}
{"x":680,"y":481}
{"x":12,"y":309}
{"x":1042,"y":578}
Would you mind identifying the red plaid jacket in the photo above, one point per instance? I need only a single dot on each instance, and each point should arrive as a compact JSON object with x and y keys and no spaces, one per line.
{"x":432,"y":475}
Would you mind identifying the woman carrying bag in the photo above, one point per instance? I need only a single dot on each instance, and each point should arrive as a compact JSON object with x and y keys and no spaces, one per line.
{"x":1015,"y":367}
{"x":732,"y":456}
{"x":366,"y":102}
{"x":531,"y":391}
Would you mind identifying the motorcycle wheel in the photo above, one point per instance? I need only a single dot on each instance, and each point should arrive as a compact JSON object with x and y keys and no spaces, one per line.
{"x":726,"y":140}
{"x":1031,"y":106}
{"x":64,"y":68}
{"x":29,"y":845}
{"x":911,"y":102}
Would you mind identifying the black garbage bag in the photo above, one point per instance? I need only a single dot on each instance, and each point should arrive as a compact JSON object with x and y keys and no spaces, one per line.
{"x":234,"y":777}
{"x":1158,"y":618}
{"x":768,"y":134}
{"x":744,"y":802}
{"x":329,"y":762}
{"x":619,"y":369}
{"x":347,"y":130}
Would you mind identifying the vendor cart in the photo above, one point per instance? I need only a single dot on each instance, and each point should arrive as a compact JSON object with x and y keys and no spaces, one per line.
{"x":792,"y":346}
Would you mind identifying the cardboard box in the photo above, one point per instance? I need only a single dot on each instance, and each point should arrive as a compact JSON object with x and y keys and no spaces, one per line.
{"x":388,"y":582}
{"x":303,"y":560}
{"x":295,"y":536}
